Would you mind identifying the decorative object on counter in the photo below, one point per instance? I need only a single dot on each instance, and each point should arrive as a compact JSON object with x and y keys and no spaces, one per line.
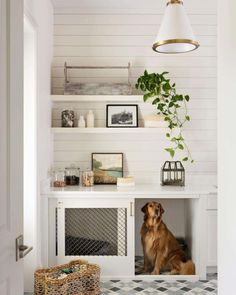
{"x":87,"y":178}
{"x":59,"y":178}
{"x":81,"y":122}
{"x":76,"y":277}
{"x":175,"y":33}
{"x":173,"y":173}
{"x":125,"y":181}
{"x":122,"y":116}
{"x":169,"y":104}
{"x":67,"y":118}
{"x":72,"y":175}
{"x":97,"y":88}
{"x":155,"y":121}
{"x":107,"y":167}
{"x":90,"y":119}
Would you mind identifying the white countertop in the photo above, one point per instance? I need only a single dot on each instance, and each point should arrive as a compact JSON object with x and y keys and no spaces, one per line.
{"x":137,"y":190}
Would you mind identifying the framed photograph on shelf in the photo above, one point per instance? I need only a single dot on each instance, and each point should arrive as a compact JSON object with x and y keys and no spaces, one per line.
{"x":122,"y":116}
{"x":107,"y":167}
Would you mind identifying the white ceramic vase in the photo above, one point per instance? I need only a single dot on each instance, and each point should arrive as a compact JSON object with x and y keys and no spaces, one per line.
{"x":90,"y":119}
{"x":81,"y":122}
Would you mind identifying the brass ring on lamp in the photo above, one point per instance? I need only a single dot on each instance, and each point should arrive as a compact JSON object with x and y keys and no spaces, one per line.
{"x":174,"y":41}
{"x":174,"y":2}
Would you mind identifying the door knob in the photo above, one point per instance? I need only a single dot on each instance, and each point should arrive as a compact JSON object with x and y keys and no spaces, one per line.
{"x":21,"y":249}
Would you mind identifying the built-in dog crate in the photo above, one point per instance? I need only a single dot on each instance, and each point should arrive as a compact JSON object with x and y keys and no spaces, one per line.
{"x":105,"y":229}
{"x":180,"y":220}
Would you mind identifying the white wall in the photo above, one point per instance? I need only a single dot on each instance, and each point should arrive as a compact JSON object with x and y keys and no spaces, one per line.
{"x":41,"y":14}
{"x":116,"y":35}
{"x":227,"y":145}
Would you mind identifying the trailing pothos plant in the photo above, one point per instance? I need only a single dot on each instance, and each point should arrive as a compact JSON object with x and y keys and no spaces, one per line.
{"x":171,"y":105}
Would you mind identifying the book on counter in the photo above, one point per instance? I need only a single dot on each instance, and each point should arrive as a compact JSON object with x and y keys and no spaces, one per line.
{"x":125,"y":181}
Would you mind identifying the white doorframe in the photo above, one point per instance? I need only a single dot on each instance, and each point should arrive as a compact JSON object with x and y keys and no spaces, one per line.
{"x":31,"y":215}
{"x":11,"y":147}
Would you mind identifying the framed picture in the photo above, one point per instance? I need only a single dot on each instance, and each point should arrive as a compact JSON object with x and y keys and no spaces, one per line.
{"x":122,"y":115}
{"x":107,"y":167}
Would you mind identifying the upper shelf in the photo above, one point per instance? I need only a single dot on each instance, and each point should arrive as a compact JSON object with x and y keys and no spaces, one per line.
{"x":97,"y":98}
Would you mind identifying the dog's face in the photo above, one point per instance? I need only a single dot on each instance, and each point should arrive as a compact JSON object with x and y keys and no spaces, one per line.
{"x":153,"y":209}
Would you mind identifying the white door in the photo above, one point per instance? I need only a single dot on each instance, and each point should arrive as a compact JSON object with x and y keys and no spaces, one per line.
{"x":100,"y":231}
{"x":11,"y":144}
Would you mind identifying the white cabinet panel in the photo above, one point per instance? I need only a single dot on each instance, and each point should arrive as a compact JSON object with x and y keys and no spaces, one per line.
{"x":101,"y":231}
{"x":211,"y":237}
{"x":212,"y":202}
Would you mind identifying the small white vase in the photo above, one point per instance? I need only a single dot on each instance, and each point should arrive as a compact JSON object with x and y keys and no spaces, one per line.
{"x":90,"y":119}
{"x":81,"y":122}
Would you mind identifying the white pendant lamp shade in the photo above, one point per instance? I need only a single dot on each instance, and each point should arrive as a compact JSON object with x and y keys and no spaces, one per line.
{"x":175,"y":34}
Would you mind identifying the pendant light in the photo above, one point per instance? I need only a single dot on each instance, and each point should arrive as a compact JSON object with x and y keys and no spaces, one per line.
{"x":175,"y":34}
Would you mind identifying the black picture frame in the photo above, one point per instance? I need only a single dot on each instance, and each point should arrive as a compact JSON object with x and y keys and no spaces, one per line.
{"x":92,"y":167}
{"x":120,"y":125}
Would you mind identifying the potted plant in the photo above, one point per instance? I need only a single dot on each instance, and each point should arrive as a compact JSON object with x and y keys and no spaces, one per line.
{"x":171,"y":105}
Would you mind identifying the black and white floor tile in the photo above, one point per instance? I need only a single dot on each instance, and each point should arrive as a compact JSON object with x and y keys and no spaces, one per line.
{"x":159,"y":287}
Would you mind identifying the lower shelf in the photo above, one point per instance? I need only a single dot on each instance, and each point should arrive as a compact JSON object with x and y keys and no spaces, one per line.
{"x":104,"y":130}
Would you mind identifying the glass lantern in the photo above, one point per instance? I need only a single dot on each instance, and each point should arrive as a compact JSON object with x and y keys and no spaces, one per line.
{"x":173,"y":173}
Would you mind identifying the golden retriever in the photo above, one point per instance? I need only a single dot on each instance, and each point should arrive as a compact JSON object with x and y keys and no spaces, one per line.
{"x":160,"y":247}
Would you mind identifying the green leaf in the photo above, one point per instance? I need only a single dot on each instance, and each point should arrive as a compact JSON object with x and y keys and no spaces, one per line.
{"x":164,"y":73}
{"x":146,"y":97}
{"x":187,"y":98}
{"x":171,"y":104}
{"x":185,"y":159}
{"x":170,"y":151}
{"x":167,"y":134}
{"x":192,"y":161}
{"x":166,"y":86}
{"x":187,"y":118}
{"x":180,"y":146}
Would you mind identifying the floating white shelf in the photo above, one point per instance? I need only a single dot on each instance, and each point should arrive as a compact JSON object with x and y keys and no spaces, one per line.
{"x":97,"y":98}
{"x":104,"y":130}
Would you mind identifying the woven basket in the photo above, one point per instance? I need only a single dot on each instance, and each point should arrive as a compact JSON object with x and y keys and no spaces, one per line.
{"x":85,"y":281}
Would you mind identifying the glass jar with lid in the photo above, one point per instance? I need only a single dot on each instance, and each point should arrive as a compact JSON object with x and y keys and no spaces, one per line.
{"x":59,"y":178}
{"x":88,"y":178}
{"x":72,"y":175}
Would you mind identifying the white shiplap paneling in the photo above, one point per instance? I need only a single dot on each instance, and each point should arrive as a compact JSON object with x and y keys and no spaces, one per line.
{"x":116,"y":36}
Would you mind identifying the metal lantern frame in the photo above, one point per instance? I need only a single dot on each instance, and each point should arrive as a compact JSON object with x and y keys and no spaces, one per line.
{"x":173,"y":173}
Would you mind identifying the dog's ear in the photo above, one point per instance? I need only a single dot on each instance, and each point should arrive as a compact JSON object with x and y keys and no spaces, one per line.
{"x":162,"y":210}
{"x":144,"y":209}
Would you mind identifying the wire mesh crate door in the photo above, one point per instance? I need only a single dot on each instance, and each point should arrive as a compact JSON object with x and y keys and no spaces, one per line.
{"x":95,"y":232}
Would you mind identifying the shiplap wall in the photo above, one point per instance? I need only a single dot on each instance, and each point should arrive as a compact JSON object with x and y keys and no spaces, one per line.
{"x":116,"y":36}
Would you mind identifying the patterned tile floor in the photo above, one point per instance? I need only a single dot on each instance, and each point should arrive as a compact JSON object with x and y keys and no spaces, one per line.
{"x":159,"y":287}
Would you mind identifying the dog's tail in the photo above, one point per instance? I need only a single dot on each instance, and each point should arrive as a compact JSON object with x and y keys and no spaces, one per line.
{"x":187,"y":268}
